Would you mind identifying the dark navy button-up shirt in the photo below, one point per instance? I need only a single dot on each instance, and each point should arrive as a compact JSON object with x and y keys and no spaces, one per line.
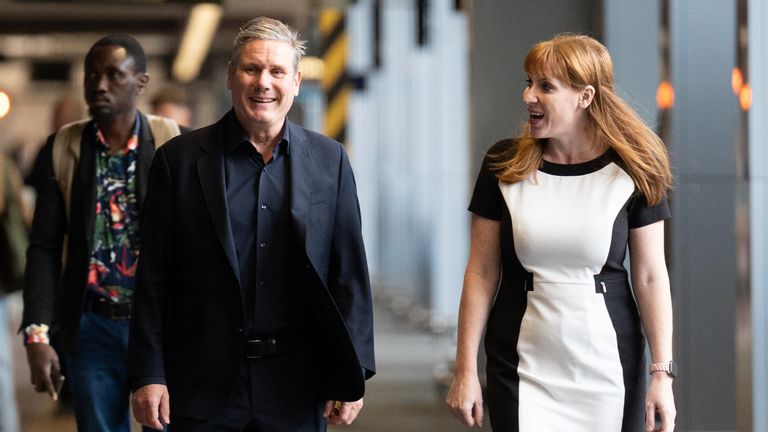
{"x":258,"y":199}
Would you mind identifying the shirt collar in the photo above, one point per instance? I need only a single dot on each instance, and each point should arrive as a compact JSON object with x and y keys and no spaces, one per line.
{"x":133,"y":139}
{"x":234,"y":136}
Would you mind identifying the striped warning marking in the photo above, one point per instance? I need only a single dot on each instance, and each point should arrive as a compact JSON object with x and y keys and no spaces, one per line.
{"x":332,"y":26}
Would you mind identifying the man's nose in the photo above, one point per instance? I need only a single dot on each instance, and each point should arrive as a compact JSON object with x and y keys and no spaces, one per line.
{"x":264,"y":80}
{"x":102,"y":82}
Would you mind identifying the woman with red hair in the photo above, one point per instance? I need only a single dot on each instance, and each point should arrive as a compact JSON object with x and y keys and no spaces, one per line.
{"x":553,"y":213}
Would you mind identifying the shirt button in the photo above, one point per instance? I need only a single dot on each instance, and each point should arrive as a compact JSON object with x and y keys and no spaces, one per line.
{"x":263,"y":206}
{"x":262,"y":244}
{"x":261,"y":283}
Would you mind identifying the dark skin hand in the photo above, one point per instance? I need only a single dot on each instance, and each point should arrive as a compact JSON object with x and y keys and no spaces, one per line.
{"x":44,"y":368}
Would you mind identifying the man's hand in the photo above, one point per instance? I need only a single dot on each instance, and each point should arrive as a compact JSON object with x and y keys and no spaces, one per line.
{"x":44,"y":368}
{"x":151,"y":406}
{"x":342,"y":413}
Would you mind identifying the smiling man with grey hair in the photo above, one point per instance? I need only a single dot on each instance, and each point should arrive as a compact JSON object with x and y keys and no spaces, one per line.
{"x":253,"y":304}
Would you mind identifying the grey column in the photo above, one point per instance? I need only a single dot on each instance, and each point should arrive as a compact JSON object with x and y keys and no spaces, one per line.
{"x":704,"y":126}
{"x":635,"y":54}
{"x":409,"y":144}
{"x":363,"y":127}
{"x":758,"y":165}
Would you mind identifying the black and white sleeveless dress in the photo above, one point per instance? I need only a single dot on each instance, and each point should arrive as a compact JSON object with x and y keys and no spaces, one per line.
{"x":564,"y":342}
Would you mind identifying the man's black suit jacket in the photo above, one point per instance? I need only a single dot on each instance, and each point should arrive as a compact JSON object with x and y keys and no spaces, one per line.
{"x":188,"y":320}
{"x":51,"y":296}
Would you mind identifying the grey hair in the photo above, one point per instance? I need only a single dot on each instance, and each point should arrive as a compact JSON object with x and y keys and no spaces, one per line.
{"x":263,"y":28}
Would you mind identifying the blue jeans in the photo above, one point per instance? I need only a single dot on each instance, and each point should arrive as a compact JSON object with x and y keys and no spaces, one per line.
{"x":9,"y":421}
{"x":97,"y":375}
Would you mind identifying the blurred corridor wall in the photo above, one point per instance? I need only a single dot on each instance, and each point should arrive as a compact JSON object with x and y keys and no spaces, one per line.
{"x":409,"y":144}
{"x":635,"y":54}
{"x":704,"y":129}
{"x":758,"y":167}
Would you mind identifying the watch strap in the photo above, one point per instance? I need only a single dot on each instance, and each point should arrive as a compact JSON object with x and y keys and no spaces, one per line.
{"x":667,"y":367}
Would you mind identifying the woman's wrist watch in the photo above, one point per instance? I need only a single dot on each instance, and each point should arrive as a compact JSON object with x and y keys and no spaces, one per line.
{"x":670,"y":368}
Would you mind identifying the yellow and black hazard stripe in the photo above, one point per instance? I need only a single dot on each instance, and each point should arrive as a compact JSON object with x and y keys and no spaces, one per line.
{"x":332,"y":26}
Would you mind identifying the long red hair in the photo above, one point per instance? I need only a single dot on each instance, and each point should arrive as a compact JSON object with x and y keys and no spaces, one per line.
{"x":578,"y":61}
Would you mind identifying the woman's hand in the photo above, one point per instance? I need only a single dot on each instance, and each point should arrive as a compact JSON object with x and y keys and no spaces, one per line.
{"x":660,"y":400}
{"x":465,"y":399}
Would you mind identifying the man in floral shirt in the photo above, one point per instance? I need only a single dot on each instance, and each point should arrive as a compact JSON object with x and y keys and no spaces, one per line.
{"x":90,"y":191}
{"x":116,"y":237}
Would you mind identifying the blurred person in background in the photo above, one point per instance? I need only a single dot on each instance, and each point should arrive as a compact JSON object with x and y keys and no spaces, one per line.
{"x":66,"y":109}
{"x":171,"y":102}
{"x":553,"y":214}
{"x":84,"y":242}
{"x":15,"y":218}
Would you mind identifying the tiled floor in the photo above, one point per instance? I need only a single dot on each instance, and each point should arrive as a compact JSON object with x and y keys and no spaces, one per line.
{"x":402,"y":397}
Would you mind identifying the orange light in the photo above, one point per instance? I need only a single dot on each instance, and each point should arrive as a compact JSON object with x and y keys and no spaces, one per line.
{"x":737,"y":80}
{"x":665,"y":95}
{"x":745,"y":97}
{"x":5,"y":104}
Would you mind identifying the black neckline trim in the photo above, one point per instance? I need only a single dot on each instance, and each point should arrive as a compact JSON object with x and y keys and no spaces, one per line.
{"x":577,"y":169}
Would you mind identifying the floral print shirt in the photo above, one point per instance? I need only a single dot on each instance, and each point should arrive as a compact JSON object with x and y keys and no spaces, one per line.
{"x":115,"y":244}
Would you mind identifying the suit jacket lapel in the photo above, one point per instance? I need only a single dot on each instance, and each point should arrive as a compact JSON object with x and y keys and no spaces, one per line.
{"x":210,"y":167}
{"x":86,"y":173}
{"x":300,"y":169}
{"x":145,"y":153}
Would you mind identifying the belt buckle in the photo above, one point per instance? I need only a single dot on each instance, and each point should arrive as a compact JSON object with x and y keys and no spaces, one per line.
{"x":271,"y":348}
{"x":115,"y":311}
{"x":115,"y":315}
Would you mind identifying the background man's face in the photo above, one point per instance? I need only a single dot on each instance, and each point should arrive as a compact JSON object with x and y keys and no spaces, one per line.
{"x":111,"y":84}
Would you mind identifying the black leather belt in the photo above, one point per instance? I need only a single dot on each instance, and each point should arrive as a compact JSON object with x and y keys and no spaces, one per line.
{"x":258,"y":348}
{"x":109,"y":309}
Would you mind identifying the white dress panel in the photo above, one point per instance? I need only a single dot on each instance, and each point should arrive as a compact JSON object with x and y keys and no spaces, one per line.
{"x":570,"y":371}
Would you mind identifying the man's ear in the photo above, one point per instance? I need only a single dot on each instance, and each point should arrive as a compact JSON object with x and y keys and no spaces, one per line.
{"x":297,"y":81}
{"x":230,"y":75}
{"x":142,"y":82}
{"x":587,"y":96}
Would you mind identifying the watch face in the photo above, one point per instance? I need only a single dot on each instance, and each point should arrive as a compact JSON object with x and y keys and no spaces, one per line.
{"x":672,"y":369}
